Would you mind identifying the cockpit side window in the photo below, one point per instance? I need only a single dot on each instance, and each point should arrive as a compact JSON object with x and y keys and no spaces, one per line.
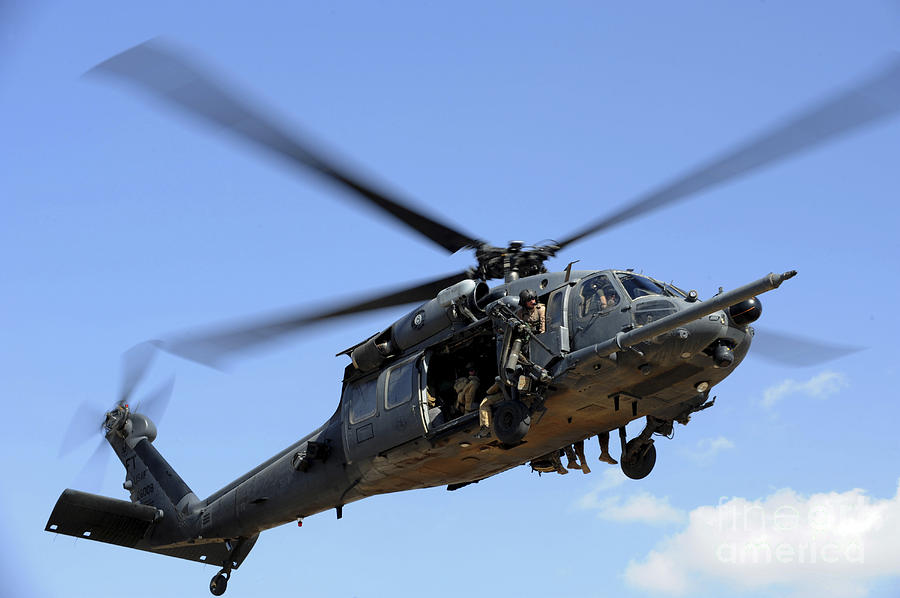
{"x":596,"y":295}
{"x":640,"y":286}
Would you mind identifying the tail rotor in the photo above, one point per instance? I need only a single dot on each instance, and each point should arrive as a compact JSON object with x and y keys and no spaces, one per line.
{"x":91,"y":420}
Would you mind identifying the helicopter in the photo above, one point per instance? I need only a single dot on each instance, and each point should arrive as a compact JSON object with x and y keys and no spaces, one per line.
{"x":615,"y":346}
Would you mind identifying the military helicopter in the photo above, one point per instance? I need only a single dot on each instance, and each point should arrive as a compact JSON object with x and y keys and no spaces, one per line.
{"x":615,"y":346}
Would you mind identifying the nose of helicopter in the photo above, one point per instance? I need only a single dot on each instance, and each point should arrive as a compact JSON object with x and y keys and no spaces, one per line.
{"x":723,"y":336}
{"x":701,"y":333}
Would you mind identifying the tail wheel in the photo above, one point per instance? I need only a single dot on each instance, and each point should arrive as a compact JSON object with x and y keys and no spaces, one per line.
{"x":638,"y":460}
{"x":219,"y":584}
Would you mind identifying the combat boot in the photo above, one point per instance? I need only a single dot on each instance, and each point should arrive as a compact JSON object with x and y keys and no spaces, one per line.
{"x":571,"y":460}
{"x":607,"y":458}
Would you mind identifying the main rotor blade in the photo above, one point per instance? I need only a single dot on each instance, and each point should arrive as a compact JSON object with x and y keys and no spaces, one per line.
{"x":794,"y":350}
{"x":211,"y":347}
{"x":171,"y":77}
{"x":873,"y":99}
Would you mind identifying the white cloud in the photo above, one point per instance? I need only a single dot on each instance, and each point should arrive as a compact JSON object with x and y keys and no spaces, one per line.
{"x":637,"y":508}
{"x":642,"y":507}
{"x":707,"y":448}
{"x":823,"y":385}
{"x":611,"y":477}
{"x":829,"y":544}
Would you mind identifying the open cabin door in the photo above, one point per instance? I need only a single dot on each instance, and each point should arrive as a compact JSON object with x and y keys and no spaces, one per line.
{"x":382,"y":411}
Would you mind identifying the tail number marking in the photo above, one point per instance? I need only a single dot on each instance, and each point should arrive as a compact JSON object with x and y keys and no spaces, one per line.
{"x":144,"y":492}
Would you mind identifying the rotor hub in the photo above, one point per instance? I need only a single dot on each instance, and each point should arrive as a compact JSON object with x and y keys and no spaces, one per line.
{"x":512,"y":262}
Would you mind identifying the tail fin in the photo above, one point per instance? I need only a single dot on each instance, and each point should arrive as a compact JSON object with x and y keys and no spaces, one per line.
{"x":162,"y":516}
{"x":148,"y":476}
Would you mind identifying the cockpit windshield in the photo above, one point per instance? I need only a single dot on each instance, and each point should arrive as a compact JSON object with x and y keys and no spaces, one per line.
{"x":641,"y":286}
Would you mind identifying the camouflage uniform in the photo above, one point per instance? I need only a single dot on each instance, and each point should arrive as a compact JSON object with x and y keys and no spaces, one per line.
{"x":574,"y":454}
{"x":603,"y":439}
{"x":465,"y":388}
{"x":493,"y":397}
{"x":556,"y":462}
{"x":535,"y":317}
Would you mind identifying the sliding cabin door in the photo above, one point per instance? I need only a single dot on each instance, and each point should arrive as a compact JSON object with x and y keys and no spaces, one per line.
{"x":382,"y":411}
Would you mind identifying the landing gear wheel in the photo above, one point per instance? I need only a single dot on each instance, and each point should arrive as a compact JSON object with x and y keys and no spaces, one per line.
{"x":511,"y":422}
{"x":219,"y":583}
{"x":637,"y":460}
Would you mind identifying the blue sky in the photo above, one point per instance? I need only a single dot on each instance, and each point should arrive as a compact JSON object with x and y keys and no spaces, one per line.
{"x":517,"y":120}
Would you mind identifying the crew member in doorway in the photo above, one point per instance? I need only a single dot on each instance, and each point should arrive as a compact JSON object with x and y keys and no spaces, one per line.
{"x":531,"y":312}
{"x":466,"y":386}
{"x":493,"y":397}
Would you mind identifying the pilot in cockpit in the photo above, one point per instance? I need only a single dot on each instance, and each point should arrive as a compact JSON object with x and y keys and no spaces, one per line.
{"x":599,"y":295}
{"x":608,"y":297}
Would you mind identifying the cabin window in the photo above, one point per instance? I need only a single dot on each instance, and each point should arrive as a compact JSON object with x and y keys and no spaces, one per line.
{"x":556,"y":309}
{"x":362,"y":400}
{"x":399,"y":385}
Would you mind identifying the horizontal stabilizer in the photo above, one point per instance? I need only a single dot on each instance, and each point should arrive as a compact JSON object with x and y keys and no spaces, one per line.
{"x":104,"y":519}
{"x":100,"y":518}
{"x":215,"y":553}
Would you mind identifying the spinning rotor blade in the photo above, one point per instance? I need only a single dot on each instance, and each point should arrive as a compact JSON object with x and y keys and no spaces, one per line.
{"x":86,"y":423}
{"x":92,"y":475}
{"x":875,"y":98}
{"x":135,"y":362}
{"x":211,"y":347}
{"x":88,"y":420}
{"x":794,"y":350}
{"x":155,"y":404}
{"x":172,"y":78}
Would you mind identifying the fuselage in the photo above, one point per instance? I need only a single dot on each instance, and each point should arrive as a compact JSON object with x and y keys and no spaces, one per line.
{"x":395,"y":430}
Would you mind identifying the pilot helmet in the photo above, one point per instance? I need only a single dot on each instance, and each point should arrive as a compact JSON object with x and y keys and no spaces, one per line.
{"x":526,"y":295}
